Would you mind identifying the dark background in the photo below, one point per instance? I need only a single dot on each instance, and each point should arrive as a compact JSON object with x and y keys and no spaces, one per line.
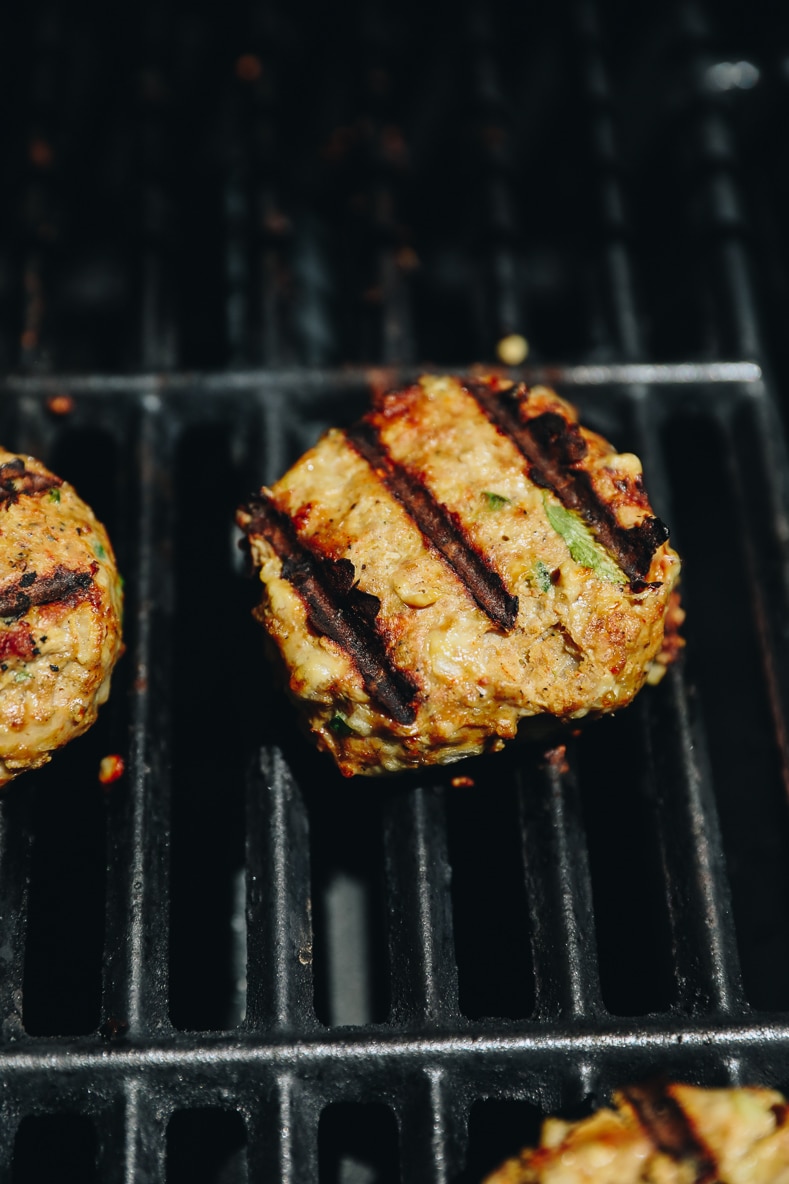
{"x":205,"y":185}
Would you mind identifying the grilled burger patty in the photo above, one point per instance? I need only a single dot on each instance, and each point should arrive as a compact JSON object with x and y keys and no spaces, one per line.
{"x":60,"y":614}
{"x":664,"y":1134}
{"x":464,"y":558}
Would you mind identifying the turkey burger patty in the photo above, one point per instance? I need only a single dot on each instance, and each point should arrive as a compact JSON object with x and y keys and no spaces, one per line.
{"x":463,"y":559}
{"x":60,"y":614}
{"x":663,"y":1133}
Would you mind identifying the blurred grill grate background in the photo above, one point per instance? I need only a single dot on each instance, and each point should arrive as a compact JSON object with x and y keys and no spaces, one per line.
{"x":221,"y":228}
{"x":186,"y":188}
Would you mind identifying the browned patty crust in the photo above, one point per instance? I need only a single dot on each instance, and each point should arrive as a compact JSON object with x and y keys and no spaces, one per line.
{"x":464,"y":558}
{"x":60,"y":614}
{"x":664,"y":1133}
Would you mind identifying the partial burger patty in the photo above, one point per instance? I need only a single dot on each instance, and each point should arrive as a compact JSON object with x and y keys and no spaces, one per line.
{"x":465,"y":558}
{"x":60,"y":614}
{"x":664,"y":1134}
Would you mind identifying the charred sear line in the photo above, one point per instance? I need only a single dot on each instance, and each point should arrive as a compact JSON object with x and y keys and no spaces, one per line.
{"x":336,"y":607}
{"x":59,"y":585}
{"x":670,"y":1129}
{"x":441,"y":528}
{"x":553,"y":446}
{"x":16,"y":480}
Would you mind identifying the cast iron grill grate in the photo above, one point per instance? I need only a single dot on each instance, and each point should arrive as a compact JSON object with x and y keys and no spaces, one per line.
{"x":231,"y":965}
{"x":276,"y":943}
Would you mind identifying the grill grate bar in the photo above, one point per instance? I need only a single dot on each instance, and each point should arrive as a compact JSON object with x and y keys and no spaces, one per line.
{"x":279,"y":958}
{"x":502,"y":312}
{"x":158,"y":345}
{"x":764,"y":530}
{"x":236,"y":270}
{"x":564,"y":952}
{"x":270,"y":340}
{"x":314,"y":284}
{"x":131,"y":1138}
{"x":706,"y":962}
{"x":393,"y":263}
{"x":432,"y":1128}
{"x":295,"y":1114}
{"x":38,"y":203}
{"x":625,"y":330}
{"x":287,"y":380}
{"x":266,"y":329}
{"x":14,"y":860}
{"x":135,"y":988}
{"x":739,"y":320}
{"x":707,"y":970}
{"x":398,"y":337}
{"x":10,"y":1116}
{"x":424,"y":983}
{"x":372,"y":1055}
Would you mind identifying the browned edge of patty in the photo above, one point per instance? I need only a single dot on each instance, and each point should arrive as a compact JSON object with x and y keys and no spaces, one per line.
{"x":335,"y":606}
{"x":15,"y":480}
{"x":439,"y":526}
{"x":553,"y":447}
{"x":59,"y":585}
{"x":670,"y":1129}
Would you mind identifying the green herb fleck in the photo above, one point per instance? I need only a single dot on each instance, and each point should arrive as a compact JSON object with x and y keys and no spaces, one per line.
{"x":22,"y":675}
{"x":54,"y":495}
{"x":495,"y":500}
{"x":541,"y":576}
{"x":581,"y":543}
{"x":339,"y":725}
{"x":99,"y":551}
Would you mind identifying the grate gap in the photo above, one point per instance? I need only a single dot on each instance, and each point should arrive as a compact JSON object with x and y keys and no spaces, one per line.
{"x":421,"y":946}
{"x":348,"y":910}
{"x":559,"y":889}
{"x":88,"y":459}
{"x":358,"y":1144}
{"x":206,"y":1147}
{"x":489,"y":907}
{"x":497,"y":1129}
{"x":633,"y":937}
{"x":65,"y":931}
{"x":213,"y":730}
{"x":55,"y":1147}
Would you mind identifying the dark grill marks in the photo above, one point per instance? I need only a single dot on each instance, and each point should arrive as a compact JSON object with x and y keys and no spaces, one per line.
{"x":553,"y":447}
{"x":670,"y":1129}
{"x":60,"y":585}
{"x":15,"y":480}
{"x":440,"y":527}
{"x":335,"y":607}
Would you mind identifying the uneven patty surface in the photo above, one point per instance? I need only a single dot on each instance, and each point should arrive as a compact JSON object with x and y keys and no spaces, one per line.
{"x":60,"y":614}
{"x":664,"y":1134}
{"x":464,"y":559}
